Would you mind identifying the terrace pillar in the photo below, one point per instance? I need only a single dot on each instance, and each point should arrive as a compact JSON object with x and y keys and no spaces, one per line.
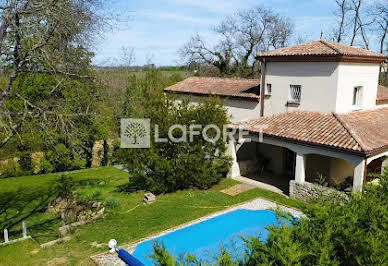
{"x":359,"y":176}
{"x":231,"y":151}
{"x":300,"y":168}
{"x":384,"y":164}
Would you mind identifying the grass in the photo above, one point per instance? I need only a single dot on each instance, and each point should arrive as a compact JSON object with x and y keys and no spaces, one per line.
{"x":127,"y":219}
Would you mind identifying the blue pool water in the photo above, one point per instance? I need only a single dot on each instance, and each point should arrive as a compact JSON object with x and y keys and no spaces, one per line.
{"x":206,"y":238}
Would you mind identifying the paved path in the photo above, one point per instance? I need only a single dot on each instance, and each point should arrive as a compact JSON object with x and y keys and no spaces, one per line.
{"x":258,"y":184}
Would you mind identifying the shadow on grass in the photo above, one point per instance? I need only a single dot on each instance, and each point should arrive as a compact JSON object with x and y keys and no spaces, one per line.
{"x":22,"y":204}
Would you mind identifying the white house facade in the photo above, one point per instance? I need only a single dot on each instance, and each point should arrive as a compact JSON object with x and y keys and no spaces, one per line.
{"x":240,"y":96}
{"x":321,"y":111}
{"x":324,"y":86}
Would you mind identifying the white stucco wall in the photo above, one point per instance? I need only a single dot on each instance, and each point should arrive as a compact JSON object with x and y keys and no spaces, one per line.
{"x":318,"y":81}
{"x":351,"y":75}
{"x":326,"y":86}
{"x":340,"y":169}
{"x":238,"y":110}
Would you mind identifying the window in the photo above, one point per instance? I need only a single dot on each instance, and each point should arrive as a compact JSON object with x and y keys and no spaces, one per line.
{"x":295,"y":93}
{"x":269,"y":89}
{"x":357,"y":96}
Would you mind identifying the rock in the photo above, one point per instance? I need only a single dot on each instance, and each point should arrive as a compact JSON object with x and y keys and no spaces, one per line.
{"x":64,"y":230}
{"x":149,"y":198}
{"x":310,"y":192}
{"x":96,"y":205}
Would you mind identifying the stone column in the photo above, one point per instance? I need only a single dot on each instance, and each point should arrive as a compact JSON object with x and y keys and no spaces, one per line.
{"x":358,"y":177}
{"x":231,"y":151}
{"x":300,"y":168}
{"x":384,"y":164}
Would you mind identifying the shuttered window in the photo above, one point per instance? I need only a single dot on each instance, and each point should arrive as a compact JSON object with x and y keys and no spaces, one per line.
{"x":295,"y":93}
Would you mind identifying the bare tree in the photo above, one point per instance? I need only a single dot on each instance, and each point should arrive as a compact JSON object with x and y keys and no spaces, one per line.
{"x":127,"y":56}
{"x":381,"y":16}
{"x":240,"y":37}
{"x":359,"y":26}
{"x":355,"y":8}
{"x":341,"y":12}
{"x":357,"y":19}
{"x":43,"y":36}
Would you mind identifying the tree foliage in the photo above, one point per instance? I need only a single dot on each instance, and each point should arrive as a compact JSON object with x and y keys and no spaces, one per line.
{"x":169,"y":166}
{"x":42,"y":38}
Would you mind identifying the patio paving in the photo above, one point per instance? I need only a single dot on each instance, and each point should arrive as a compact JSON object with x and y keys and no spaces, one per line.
{"x":237,"y":189}
{"x":275,"y":184}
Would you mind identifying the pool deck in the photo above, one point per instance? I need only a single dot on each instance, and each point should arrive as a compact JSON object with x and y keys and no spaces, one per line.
{"x":108,"y":259}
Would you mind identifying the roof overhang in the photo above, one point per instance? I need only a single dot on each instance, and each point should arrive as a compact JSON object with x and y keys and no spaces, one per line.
{"x":199,"y":94}
{"x":315,"y":145}
{"x":381,"y":101}
{"x":364,"y":154}
{"x":322,"y":58}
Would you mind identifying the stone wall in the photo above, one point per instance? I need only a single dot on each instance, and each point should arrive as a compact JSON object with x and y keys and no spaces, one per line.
{"x":308,"y":191}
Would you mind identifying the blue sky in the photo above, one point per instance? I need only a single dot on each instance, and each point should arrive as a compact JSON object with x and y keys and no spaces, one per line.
{"x":156,"y":29}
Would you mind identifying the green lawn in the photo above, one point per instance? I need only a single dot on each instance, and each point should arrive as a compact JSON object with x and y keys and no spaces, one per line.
{"x":128,"y":222}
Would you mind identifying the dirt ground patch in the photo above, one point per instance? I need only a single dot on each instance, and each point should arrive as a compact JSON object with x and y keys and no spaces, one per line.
{"x":237,"y":189}
{"x":58,"y":261}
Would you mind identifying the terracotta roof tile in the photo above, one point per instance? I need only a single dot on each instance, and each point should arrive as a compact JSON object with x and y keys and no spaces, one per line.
{"x":369,"y":128}
{"x":322,"y":48}
{"x":362,"y":131}
{"x":227,"y":87}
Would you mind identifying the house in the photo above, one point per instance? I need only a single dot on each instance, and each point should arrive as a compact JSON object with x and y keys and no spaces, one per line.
{"x":241,"y":96}
{"x":322,"y":115}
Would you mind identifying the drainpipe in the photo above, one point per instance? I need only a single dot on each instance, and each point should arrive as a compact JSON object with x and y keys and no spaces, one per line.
{"x":262,"y":86}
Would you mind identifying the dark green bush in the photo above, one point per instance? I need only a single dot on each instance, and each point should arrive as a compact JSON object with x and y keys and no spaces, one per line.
{"x":65,"y":186}
{"x":112,"y":202}
{"x":168,"y":167}
{"x":25,"y":163}
{"x":60,"y":159}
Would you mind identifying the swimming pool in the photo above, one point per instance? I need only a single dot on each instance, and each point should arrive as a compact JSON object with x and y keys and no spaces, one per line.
{"x":205,"y":239}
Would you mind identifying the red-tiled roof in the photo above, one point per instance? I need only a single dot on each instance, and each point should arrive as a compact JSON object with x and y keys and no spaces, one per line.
{"x":322,"y":48}
{"x":226,"y":87}
{"x":362,"y":132}
{"x":369,"y":128}
{"x":382,"y":95}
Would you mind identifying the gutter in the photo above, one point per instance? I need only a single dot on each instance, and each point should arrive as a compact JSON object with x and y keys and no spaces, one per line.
{"x":199,"y":94}
{"x":262,"y":86}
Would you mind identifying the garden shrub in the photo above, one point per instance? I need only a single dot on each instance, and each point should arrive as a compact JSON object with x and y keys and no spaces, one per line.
{"x":25,"y":163}
{"x":10,"y":168}
{"x":167,"y":166}
{"x":60,"y":159}
{"x":112,"y":202}
{"x":91,"y":194}
{"x":65,"y":186}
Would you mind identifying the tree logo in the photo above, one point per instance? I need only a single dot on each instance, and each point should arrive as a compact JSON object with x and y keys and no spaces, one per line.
{"x":135,"y":133}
